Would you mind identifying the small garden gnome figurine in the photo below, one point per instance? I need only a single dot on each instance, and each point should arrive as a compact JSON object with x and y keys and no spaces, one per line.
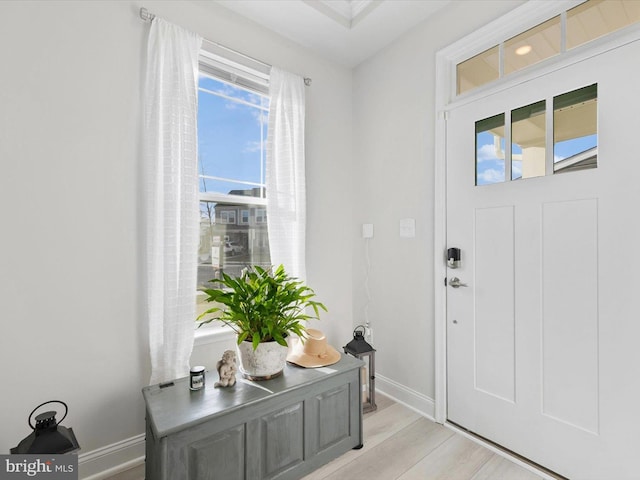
{"x":227,"y":369}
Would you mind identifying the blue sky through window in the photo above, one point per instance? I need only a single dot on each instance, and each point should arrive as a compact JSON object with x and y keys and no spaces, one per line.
{"x":490,"y":168}
{"x":232,"y":131}
{"x":568,"y":148}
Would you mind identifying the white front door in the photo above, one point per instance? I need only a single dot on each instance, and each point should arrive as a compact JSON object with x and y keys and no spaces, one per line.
{"x":543,"y":344}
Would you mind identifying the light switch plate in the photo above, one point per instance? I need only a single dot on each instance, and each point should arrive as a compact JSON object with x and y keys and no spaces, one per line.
{"x":408,"y":227}
{"x":367,"y":230}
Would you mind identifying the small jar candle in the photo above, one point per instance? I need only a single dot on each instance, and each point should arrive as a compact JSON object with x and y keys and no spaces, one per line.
{"x":196,"y":378}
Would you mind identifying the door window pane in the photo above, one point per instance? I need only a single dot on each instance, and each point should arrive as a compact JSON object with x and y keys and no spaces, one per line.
{"x":532,"y":46}
{"x":528,"y":141}
{"x":478,"y":70}
{"x":490,"y":150}
{"x":596,"y":18}
{"x":575,"y":130}
{"x":590,"y":20}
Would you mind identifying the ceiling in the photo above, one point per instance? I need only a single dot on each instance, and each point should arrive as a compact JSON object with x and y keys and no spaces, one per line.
{"x":344,"y":31}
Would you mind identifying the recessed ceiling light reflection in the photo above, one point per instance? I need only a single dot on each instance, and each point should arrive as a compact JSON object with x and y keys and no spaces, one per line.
{"x":523,"y":50}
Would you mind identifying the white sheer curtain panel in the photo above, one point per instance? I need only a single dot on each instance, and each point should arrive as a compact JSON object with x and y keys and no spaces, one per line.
{"x":285,"y":172}
{"x":171,"y":176}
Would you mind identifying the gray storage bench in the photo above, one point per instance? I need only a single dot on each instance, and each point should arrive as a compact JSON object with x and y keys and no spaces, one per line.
{"x":282,"y":428}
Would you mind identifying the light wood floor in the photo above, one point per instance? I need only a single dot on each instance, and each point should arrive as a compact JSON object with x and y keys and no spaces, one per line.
{"x":402,"y":445}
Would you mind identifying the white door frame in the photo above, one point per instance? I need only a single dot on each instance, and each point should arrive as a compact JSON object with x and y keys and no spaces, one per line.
{"x":520,"y":19}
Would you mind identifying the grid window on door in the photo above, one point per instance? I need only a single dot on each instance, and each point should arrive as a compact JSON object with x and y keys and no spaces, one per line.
{"x":573,"y":127}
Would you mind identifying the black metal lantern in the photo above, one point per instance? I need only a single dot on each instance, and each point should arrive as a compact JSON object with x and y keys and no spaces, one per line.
{"x":48,"y":436}
{"x":359,"y":348}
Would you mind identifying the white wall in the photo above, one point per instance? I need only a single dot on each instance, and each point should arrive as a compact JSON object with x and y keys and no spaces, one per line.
{"x":70,"y":281}
{"x":394,"y":124}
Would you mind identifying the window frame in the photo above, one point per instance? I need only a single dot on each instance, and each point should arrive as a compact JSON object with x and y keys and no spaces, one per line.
{"x":260,"y":216}
{"x":546,"y":109}
{"x":241,"y":219}
{"x":510,"y":25}
{"x":226,"y":217}
{"x":225,"y":65}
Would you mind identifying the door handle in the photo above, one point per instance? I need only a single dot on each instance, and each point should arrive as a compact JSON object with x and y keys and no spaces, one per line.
{"x":455,"y":283}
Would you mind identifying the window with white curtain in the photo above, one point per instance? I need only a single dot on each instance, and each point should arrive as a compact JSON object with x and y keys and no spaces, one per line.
{"x":233,"y":111}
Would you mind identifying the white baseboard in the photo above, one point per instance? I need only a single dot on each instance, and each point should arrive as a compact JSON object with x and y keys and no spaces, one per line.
{"x":422,"y":404}
{"x":112,"y":459}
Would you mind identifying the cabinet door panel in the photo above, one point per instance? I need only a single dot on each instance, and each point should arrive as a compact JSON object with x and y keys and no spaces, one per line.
{"x":333,"y":417}
{"x":220,"y":456}
{"x":282,"y":434}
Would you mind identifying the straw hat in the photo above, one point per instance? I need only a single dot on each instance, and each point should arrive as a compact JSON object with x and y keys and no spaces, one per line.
{"x":314,"y":352}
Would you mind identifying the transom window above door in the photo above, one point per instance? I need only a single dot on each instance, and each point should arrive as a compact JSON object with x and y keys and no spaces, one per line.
{"x":513,"y":145}
{"x":570,"y":29}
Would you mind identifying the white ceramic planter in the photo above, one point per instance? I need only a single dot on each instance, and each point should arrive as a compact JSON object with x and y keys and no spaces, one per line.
{"x":266,"y":362}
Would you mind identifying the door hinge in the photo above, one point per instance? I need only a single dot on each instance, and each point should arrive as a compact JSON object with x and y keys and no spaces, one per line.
{"x":445,"y":281}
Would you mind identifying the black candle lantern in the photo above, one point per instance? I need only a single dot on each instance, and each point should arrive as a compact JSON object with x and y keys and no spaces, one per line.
{"x":48,"y":436}
{"x":359,"y":348}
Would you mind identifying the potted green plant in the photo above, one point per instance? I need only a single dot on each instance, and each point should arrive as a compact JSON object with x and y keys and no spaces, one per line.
{"x":263,"y":306}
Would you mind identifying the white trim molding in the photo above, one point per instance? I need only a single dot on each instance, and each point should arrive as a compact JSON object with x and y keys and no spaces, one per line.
{"x":408,"y":397}
{"x":110,"y":460}
{"x":209,"y":335}
{"x":517,"y":21}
